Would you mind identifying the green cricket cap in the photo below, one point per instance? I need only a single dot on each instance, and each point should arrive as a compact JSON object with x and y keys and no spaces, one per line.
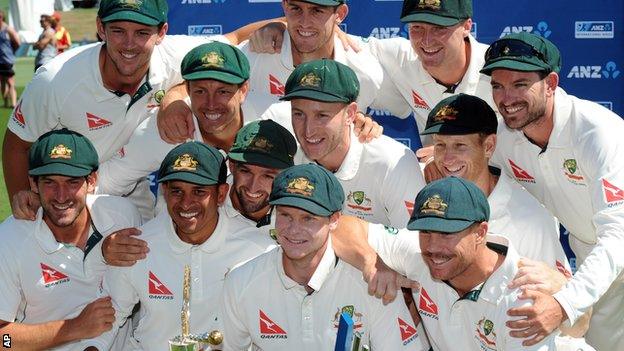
{"x":325,"y":2}
{"x":63,"y":152}
{"x":461,"y":114}
{"x":148,"y":12}
{"x":193,"y":162}
{"x":525,"y":52}
{"x":309,"y":187}
{"x":264,"y":143}
{"x":218,"y":61}
{"x":444,"y":13}
{"x":449,"y":205}
{"x":322,"y":80}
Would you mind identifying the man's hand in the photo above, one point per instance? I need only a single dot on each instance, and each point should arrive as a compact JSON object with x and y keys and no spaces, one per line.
{"x":383,"y":282}
{"x":348,"y":43}
{"x":268,"y":39}
{"x":123,"y":249}
{"x":175,"y":118}
{"x":535,"y":275}
{"x":540,"y":319}
{"x":25,"y":205}
{"x":430,"y":170}
{"x":95,"y":319}
{"x":365,"y":128}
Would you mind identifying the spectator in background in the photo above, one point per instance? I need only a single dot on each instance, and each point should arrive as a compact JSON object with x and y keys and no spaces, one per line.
{"x":47,"y":41}
{"x":63,"y":39}
{"x":9,"y":42}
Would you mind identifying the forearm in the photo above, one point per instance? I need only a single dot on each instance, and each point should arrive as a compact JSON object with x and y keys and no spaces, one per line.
{"x":350,"y":242}
{"x":41,"y":336}
{"x":15,"y":163}
{"x":243,"y":33}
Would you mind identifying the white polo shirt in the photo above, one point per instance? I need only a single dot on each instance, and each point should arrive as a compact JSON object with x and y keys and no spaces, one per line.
{"x":156,"y":282}
{"x":42,"y":280}
{"x":404,"y":73}
{"x":476,"y":321}
{"x":267,"y":310}
{"x":269,"y":73}
{"x":579,"y":177}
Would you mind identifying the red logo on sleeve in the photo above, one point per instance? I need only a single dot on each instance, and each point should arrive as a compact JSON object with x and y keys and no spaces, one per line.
{"x":96,"y":122}
{"x":410,"y":207}
{"x":426,"y":305}
{"x":275,"y":86}
{"x":419,"y":102}
{"x":562,"y":269}
{"x":18,"y":116}
{"x":408,"y":333}
{"x":156,"y":289}
{"x":612,"y":193}
{"x":270,"y":329}
{"x":51,"y":276}
{"x":520,"y":173}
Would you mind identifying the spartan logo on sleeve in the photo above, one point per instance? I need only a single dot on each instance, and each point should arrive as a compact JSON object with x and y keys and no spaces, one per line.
{"x":156,"y":289}
{"x":613,"y":195}
{"x":270,"y":329}
{"x":18,"y":116}
{"x":520,"y":174}
{"x":485,"y":334}
{"x":275,"y":86}
{"x":408,"y":333}
{"x":419,"y":102}
{"x":96,"y":122}
{"x":51,"y":276}
{"x":426,"y":306}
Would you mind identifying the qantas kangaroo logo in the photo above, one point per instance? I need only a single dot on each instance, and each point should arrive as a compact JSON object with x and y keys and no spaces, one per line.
{"x":270,"y":329}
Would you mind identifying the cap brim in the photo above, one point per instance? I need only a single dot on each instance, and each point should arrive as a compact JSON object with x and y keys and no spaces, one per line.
{"x":215,"y":75}
{"x":323,"y":2}
{"x":446,"y":129}
{"x":304,"y":204}
{"x":432,"y":19}
{"x":313,"y":95}
{"x":132,"y":17}
{"x":440,"y":225}
{"x":188,"y":177}
{"x":258,"y":159}
{"x":61,"y":169}
{"x":512,"y":65}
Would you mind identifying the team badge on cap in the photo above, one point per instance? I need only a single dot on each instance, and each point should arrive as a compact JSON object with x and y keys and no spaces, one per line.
{"x":213,"y":59}
{"x":429,"y":4}
{"x":310,"y":80}
{"x":185,"y":162}
{"x":446,"y":113}
{"x":260,"y":143}
{"x":434,"y":205}
{"x":61,"y":151}
{"x":301,"y":186}
{"x":133,"y":4}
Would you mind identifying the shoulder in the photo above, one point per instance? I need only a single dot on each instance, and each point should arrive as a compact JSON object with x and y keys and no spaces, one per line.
{"x":389,"y":151}
{"x":107,"y":209}
{"x":254,"y":270}
{"x":15,"y":234}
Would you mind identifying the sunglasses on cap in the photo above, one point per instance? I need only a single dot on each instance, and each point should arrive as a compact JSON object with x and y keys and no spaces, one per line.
{"x":512,"y":48}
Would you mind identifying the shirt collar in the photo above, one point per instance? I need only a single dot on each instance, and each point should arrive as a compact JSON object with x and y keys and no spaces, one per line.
{"x":495,"y":287}
{"x":469,"y":81}
{"x":499,"y":197}
{"x":322,"y":271}
{"x":561,"y":116}
{"x":212,"y":245}
{"x":351,"y":164}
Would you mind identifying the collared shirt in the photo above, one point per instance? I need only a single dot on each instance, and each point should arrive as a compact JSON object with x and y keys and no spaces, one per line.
{"x":42,"y":280}
{"x":579,"y":177}
{"x":157,"y":281}
{"x":476,"y":321}
{"x":265,"y":308}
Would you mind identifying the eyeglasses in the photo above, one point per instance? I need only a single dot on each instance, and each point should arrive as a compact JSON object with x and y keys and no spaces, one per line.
{"x":512,"y":48}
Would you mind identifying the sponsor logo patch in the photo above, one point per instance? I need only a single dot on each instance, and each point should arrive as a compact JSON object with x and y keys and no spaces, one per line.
{"x":426,"y":306}
{"x":419,"y":102}
{"x":18,"y":116}
{"x":613,"y":195}
{"x":270,"y":329}
{"x":94,"y":122}
{"x":158,"y":290}
{"x":51,"y":276}
{"x":521,"y":174}
{"x":275,"y":86}
{"x":408,"y":333}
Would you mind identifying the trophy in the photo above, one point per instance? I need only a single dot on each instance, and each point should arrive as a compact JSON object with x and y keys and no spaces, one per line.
{"x":187,"y":341}
{"x":346,"y":339}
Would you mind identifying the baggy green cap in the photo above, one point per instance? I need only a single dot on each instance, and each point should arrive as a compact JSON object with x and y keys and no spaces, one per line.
{"x":264,"y":143}
{"x":322,"y":80}
{"x":449,"y":205}
{"x":525,"y":52}
{"x":148,"y":12}
{"x":444,"y":13}
{"x":193,"y":162}
{"x":63,"y":152}
{"x":309,"y":187}
{"x":218,"y":61}
{"x":325,"y":2}
{"x":461,"y":114}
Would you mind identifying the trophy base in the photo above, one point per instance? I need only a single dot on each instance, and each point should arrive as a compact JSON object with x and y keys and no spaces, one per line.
{"x":179,"y":344}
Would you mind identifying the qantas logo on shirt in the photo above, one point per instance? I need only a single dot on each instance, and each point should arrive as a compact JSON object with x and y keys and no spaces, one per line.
{"x":613,"y":194}
{"x":158,"y":290}
{"x":562,"y":269}
{"x":419,"y":102}
{"x":96,"y":122}
{"x":408,"y":333}
{"x":18,"y":116}
{"x":51,"y":276}
{"x":270,"y":329}
{"x":521,"y":174}
{"x":410,"y":207}
{"x":275,"y":86}
{"x":426,"y":305}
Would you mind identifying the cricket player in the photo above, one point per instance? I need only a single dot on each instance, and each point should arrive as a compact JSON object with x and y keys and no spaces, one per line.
{"x":51,"y":268}
{"x":381,"y":178}
{"x":194,"y":231}
{"x":291,"y":297}
{"x":567,"y":153}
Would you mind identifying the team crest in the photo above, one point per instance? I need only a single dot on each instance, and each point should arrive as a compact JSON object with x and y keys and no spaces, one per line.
{"x":446,"y":113}
{"x":185,"y":162}
{"x":260,"y":144}
{"x":310,"y":80}
{"x":61,"y":151}
{"x":357,"y":200}
{"x":213,"y":59}
{"x":485,"y":334}
{"x":158,"y":96}
{"x":506,"y":50}
{"x":133,"y":4}
{"x":350,"y":310}
{"x":429,"y":4}
{"x":301,"y":186}
{"x":434,"y":205}
{"x":569,"y":169}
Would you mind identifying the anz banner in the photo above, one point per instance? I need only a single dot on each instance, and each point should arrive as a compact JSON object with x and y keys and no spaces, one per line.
{"x":588,"y":33}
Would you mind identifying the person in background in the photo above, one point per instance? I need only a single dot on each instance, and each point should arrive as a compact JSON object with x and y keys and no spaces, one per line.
{"x":63,"y":39}
{"x":46,"y":44}
{"x":9,"y":42}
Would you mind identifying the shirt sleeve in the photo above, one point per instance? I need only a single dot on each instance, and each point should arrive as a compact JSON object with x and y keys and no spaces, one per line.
{"x":402,"y":184}
{"x":393,"y":328}
{"x":10,"y":291}
{"x":236,"y":334}
{"x":394,"y":248}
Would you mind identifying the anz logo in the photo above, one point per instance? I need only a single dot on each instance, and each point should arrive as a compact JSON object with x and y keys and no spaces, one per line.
{"x":191,"y":2}
{"x":608,"y":71}
{"x":389,"y":32}
{"x":540,"y":29}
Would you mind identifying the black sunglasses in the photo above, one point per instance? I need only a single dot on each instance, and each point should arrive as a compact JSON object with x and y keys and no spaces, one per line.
{"x":512,"y":48}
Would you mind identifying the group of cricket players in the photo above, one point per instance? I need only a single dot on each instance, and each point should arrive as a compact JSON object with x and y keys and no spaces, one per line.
{"x":281,"y":206}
